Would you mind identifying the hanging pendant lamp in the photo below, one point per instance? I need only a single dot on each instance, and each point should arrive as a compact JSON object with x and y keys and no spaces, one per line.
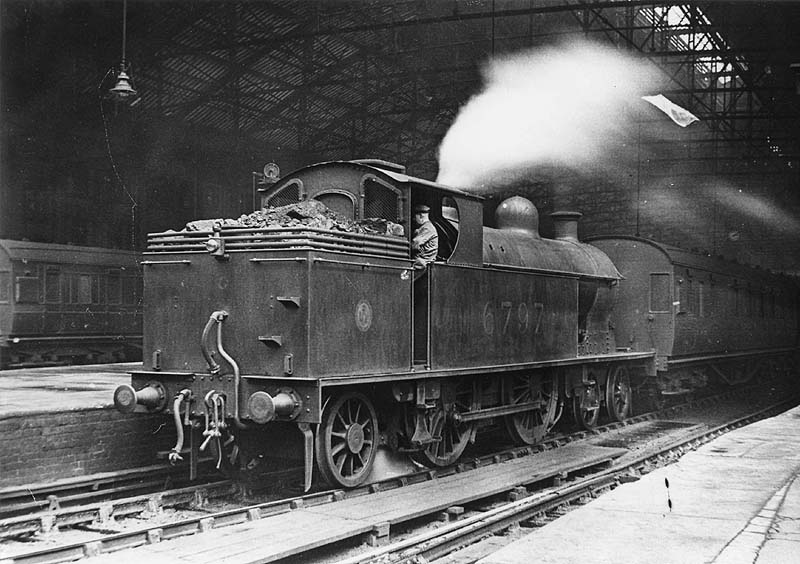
{"x":123,"y":90}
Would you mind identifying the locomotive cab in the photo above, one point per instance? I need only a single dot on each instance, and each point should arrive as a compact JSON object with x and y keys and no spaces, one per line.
{"x":371,"y":189}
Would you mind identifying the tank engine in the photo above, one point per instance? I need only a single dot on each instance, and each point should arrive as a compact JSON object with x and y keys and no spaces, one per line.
{"x":336,"y":333}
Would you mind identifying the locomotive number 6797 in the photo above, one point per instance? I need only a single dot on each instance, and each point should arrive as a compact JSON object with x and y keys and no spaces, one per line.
{"x":337,"y":333}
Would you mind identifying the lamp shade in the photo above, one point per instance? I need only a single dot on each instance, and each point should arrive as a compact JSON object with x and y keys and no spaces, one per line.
{"x":123,"y":90}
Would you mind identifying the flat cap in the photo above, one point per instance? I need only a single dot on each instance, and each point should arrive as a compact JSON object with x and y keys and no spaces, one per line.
{"x":421,"y":208}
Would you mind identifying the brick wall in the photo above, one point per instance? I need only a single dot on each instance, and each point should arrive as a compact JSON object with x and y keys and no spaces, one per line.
{"x":56,"y":445}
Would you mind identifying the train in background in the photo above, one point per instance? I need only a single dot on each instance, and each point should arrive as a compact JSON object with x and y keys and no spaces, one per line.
{"x":707,"y":318}
{"x":66,"y":304}
{"x":335,"y":333}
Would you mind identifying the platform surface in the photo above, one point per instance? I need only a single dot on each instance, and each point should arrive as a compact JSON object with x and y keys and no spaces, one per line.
{"x":735,"y":500}
{"x":288,"y":534}
{"x":61,"y":388}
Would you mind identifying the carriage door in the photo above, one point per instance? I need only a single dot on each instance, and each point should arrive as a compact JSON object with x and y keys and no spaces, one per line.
{"x":660,"y":311}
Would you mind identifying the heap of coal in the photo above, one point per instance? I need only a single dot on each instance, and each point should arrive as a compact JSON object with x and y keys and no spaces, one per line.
{"x":309,"y":213}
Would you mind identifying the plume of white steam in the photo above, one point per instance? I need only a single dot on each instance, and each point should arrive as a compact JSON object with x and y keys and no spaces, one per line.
{"x":548,"y":106}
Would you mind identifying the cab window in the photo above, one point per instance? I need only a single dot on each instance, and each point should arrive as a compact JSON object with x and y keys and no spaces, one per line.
{"x":343,"y":203}
{"x":288,"y":194}
{"x":381,"y":200}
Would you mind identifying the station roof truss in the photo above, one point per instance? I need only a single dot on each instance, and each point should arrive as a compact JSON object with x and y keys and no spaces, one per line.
{"x":385,"y":78}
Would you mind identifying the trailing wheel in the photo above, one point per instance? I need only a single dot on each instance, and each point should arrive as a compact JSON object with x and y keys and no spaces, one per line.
{"x":586,"y":405}
{"x":618,"y":393}
{"x":347,"y":440}
{"x":530,"y":427}
{"x":445,"y":425}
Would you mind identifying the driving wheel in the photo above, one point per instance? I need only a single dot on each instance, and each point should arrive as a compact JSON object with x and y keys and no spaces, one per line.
{"x":445,"y":425}
{"x":530,"y":427}
{"x":586,"y":405}
{"x":618,"y":393}
{"x":347,"y":440}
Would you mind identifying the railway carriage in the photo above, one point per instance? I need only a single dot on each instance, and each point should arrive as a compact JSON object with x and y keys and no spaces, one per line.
{"x":707,"y":318}
{"x":337,"y":333}
{"x":65,"y":304}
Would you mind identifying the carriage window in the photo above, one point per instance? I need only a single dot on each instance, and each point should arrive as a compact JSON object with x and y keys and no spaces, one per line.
{"x":289,"y":194}
{"x":130,"y":290}
{"x":659,"y":293}
{"x":680,"y":296}
{"x":27,"y":290}
{"x":381,"y":200}
{"x":81,"y":289}
{"x":340,"y":202}
{"x":5,"y":287}
{"x":691,"y":297}
{"x":114,"y":287}
{"x":52,"y":285}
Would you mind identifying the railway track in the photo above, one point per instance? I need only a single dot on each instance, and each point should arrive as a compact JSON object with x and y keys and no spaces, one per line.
{"x":22,"y":500}
{"x":538,"y":506}
{"x":199,"y":524}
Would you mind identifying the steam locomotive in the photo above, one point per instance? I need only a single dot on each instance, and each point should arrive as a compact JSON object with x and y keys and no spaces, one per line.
{"x":337,"y":334}
{"x":65,"y":304}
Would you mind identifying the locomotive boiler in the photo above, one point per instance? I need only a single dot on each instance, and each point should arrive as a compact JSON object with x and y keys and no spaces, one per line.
{"x":335,"y":332}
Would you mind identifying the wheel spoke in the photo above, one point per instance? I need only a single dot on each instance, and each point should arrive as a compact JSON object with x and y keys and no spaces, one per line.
{"x":337,"y":449}
{"x":349,"y":411}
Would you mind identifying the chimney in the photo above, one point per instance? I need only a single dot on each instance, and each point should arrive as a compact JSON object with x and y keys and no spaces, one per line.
{"x":565,"y":225}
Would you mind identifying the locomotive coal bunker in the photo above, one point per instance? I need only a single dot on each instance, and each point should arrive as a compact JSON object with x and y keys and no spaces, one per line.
{"x":335,"y":332}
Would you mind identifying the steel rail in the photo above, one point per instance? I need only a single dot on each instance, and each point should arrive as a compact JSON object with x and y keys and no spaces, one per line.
{"x":104,"y":512}
{"x":30,"y":497}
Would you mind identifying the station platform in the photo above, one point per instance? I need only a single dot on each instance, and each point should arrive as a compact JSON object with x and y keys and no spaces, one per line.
{"x":61,"y":388}
{"x":59,"y":422}
{"x":735,"y":500}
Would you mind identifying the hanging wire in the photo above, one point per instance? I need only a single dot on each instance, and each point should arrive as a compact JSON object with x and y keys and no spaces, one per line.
{"x":124,"y":30}
{"x":114,"y":163}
